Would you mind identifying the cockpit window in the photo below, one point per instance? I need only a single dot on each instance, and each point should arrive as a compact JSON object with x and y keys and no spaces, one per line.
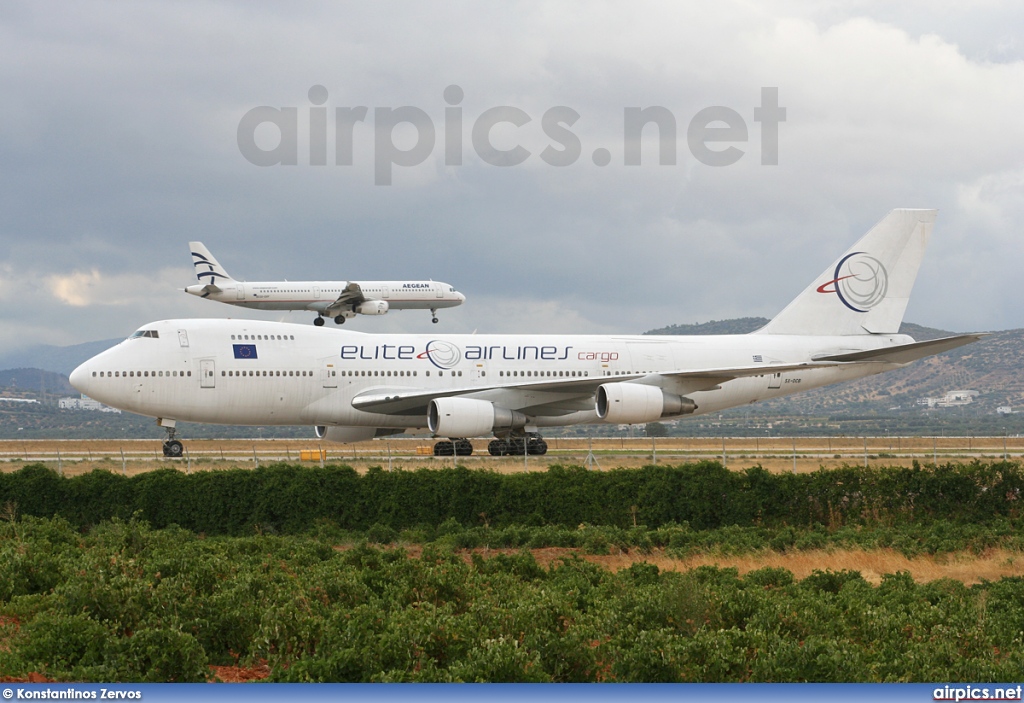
{"x":146,"y":333}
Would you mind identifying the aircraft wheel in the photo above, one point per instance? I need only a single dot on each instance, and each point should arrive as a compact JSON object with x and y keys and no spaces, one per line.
{"x":444,"y":448}
{"x":537,"y":447}
{"x":434,"y":320}
{"x":319,"y":321}
{"x":173,"y":448}
{"x":497,"y":447}
{"x":339,"y":320}
{"x":463,"y":447}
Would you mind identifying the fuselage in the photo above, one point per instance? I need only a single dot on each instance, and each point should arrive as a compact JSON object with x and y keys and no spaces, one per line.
{"x":250,"y":372}
{"x":318,"y":296}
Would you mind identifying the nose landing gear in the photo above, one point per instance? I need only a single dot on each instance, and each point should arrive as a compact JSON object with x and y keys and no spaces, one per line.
{"x":433,"y":312}
{"x":172,"y":447}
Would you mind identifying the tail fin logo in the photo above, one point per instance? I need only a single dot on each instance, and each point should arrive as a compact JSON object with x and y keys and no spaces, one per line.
{"x":860,"y":281}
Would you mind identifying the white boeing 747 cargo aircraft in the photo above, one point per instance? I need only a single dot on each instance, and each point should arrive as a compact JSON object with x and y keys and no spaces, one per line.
{"x":352,"y":386}
{"x":337,"y":299}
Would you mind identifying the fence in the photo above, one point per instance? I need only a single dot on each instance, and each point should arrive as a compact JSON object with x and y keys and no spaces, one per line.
{"x":775,"y":453}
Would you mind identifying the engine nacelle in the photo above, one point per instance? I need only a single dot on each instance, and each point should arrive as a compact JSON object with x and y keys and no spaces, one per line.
{"x":466,"y":417}
{"x":372,"y":307}
{"x":343,"y":434}
{"x":632,"y":403}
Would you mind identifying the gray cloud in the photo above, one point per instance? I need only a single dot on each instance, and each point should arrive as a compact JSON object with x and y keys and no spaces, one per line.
{"x":118,"y":146}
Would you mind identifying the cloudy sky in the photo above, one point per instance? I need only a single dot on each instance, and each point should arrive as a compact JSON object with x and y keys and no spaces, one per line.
{"x":120,"y":142}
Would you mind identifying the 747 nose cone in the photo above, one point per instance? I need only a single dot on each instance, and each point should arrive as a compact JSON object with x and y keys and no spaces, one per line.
{"x":80,"y":378}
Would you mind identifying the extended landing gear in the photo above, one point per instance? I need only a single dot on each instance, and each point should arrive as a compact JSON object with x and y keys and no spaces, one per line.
{"x":459,"y":447}
{"x":532,"y":444}
{"x":172,"y":447}
{"x":339,"y":319}
{"x":319,"y":321}
{"x":433,"y":312}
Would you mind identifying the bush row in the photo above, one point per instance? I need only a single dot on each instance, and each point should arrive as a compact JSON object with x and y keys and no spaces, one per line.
{"x":680,"y":541}
{"x":128,"y":603}
{"x":291,"y":499}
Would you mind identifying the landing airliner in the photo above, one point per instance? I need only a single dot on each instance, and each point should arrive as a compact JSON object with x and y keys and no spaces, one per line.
{"x":352,"y":386}
{"x":337,"y":299}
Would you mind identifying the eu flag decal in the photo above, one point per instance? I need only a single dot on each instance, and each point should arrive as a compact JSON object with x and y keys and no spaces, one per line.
{"x":245,"y":351}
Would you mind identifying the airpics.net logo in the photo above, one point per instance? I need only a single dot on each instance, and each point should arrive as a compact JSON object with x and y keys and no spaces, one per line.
{"x":715,"y":135}
{"x":860,"y":281}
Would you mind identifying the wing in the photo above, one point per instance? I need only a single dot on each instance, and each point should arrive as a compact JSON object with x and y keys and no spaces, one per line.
{"x":351,"y":295}
{"x":564,"y":395}
{"x":905,"y":353}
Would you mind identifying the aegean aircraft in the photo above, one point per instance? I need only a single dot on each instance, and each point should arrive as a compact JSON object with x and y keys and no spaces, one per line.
{"x":353,"y":386}
{"x":337,"y":299}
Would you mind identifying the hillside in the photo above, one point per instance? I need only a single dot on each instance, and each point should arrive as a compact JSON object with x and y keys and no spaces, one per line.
{"x":34,"y":383}
{"x":993,"y":367}
{"x":60,"y":360}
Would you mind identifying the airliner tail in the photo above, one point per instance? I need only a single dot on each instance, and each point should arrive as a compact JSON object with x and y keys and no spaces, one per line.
{"x":208,"y":270}
{"x":867,"y":289}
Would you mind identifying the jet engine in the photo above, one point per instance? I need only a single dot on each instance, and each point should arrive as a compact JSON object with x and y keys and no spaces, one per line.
{"x":631,"y":403}
{"x":466,"y":417}
{"x":344,"y":435}
{"x":372,"y":307}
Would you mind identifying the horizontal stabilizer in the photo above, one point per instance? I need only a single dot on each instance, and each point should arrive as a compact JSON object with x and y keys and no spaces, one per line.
{"x":905,"y":353}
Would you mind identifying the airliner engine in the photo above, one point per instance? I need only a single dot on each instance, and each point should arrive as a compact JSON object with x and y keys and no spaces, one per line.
{"x":466,"y":417}
{"x":372,"y":307}
{"x":630,"y":403}
{"x":344,"y":434}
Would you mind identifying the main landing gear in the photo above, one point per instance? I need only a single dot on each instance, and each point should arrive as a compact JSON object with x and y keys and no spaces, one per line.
{"x":531,"y":444}
{"x":319,"y":320}
{"x":458,"y":447}
{"x":172,"y":447}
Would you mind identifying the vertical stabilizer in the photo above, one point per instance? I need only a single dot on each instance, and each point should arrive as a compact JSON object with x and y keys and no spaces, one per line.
{"x":208,"y":271}
{"x":867,"y":289}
